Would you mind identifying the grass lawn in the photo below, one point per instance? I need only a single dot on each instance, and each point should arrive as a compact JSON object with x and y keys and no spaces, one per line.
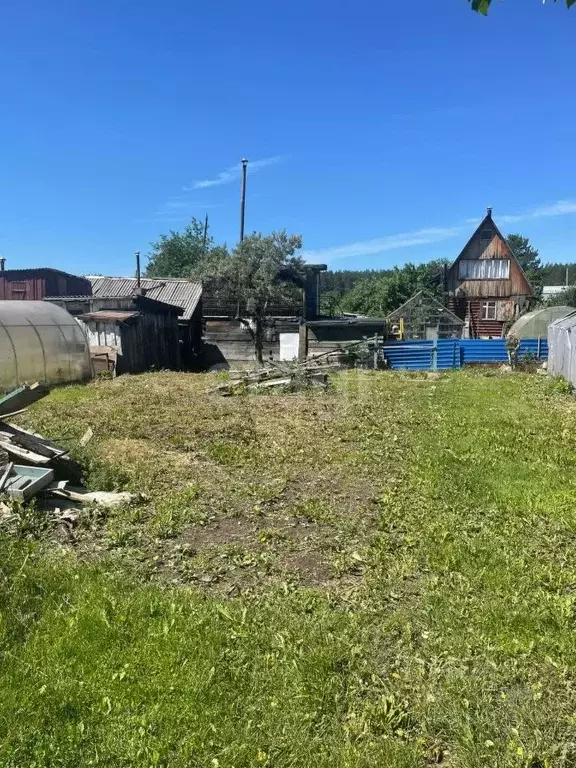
{"x":381,"y":575}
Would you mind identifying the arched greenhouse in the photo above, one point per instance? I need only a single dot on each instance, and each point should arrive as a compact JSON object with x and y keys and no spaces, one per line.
{"x":40,"y":342}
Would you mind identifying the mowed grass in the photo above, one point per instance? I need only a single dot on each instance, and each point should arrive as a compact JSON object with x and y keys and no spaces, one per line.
{"x":381,"y":575}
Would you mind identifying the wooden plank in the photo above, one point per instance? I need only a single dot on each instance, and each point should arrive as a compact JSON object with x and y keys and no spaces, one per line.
{"x":22,"y":397}
{"x":21,"y":453}
{"x":6,"y":474}
{"x":31,"y":441}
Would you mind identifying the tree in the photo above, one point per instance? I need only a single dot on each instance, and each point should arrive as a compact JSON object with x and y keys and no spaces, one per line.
{"x":566,"y":298}
{"x":179,"y":254}
{"x":529,"y":259}
{"x":483,"y":6}
{"x":260,"y":271}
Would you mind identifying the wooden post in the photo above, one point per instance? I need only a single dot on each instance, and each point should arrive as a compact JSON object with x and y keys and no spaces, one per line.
{"x":434,"y":356}
{"x":302,"y":343}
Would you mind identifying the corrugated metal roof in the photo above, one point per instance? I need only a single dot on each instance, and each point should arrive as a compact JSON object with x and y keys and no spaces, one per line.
{"x":180,"y":293}
{"x":109,"y":315}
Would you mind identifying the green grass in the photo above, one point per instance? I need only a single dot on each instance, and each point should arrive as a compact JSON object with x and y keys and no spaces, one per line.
{"x":384,"y":575}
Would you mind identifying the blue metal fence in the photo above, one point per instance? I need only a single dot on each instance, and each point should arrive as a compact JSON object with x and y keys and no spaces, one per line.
{"x":455,"y":353}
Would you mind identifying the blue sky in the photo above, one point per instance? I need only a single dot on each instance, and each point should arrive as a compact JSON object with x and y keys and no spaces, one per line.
{"x":380,"y":130}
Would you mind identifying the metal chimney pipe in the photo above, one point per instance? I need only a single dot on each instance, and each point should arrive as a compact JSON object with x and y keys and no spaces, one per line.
{"x":138,"y":268}
{"x":2,"y":262}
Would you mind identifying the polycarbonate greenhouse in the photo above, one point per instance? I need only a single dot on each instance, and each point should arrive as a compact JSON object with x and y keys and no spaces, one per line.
{"x":562,"y":348}
{"x":40,"y":342}
{"x":535,"y":324}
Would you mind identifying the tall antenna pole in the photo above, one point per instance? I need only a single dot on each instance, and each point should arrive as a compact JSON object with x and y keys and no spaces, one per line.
{"x":243,"y":198}
{"x":205,"y":233}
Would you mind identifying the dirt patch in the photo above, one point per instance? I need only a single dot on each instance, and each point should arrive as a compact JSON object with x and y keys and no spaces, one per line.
{"x":226,"y":531}
{"x":309,"y":569}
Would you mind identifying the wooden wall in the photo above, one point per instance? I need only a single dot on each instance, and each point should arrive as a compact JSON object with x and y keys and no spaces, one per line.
{"x":496,"y":248}
{"x":149,"y":341}
{"x":35,"y":284}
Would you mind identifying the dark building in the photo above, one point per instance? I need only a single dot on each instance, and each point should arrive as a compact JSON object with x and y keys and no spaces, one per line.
{"x":486,"y":285}
{"x":134,"y":333}
{"x":36,"y":284}
{"x":185,"y":294}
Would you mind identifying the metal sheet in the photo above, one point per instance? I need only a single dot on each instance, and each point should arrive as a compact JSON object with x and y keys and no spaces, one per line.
{"x":180,"y":293}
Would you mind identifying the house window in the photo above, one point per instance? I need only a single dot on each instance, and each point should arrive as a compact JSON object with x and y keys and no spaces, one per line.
{"x":484,"y":269}
{"x":488,"y":310}
{"x":486,"y":234}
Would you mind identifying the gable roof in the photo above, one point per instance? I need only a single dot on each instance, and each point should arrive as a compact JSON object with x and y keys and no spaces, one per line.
{"x":433,"y":300}
{"x":169,"y":290}
{"x":488,"y":220}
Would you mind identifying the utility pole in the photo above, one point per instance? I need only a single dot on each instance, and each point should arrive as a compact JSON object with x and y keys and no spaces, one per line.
{"x":567,"y":283}
{"x":205,"y":234}
{"x":243,"y":198}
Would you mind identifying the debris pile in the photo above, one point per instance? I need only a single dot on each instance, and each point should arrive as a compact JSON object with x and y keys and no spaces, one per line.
{"x":313,"y":372}
{"x":30,"y":464}
{"x":290,"y":376}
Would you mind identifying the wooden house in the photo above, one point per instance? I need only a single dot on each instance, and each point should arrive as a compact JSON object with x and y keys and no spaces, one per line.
{"x":486,"y":286}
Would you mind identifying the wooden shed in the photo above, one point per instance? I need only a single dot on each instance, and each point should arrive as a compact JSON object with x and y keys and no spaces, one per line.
{"x":141,"y":333}
{"x":184,"y":294}
{"x":486,"y":285}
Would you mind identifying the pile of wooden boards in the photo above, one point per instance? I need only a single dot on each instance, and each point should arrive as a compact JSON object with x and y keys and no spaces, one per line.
{"x":287,"y":376}
{"x":30,"y":464}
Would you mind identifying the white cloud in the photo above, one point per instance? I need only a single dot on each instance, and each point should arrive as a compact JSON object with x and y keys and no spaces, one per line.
{"x":233,"y":173}
{"x":382,"y":244}
{"x":559,"y":208}
{"x":430,"y":235}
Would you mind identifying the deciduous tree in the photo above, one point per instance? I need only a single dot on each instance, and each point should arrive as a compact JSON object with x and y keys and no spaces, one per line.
{"x":260,"y":271}
{"x":178,"y":254}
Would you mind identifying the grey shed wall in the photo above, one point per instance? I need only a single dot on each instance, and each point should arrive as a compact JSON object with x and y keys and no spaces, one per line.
{"x":562,"y":348}
{"x":40,"y":342}
{"x":146,"y":342}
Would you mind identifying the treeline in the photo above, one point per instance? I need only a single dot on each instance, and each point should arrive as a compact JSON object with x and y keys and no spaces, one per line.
{"x":343,"y":280}
{"x":378,"y":292}
{"x":555,"y":273}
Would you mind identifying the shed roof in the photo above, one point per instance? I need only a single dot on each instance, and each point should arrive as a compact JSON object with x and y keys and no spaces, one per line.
{"x":31,"y":270}
{"x":170,"y":290}
{"x":338,"y":322}
{"x":110,"y":316}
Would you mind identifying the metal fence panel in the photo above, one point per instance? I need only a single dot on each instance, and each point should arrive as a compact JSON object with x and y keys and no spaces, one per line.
{"x":447,"y":353}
